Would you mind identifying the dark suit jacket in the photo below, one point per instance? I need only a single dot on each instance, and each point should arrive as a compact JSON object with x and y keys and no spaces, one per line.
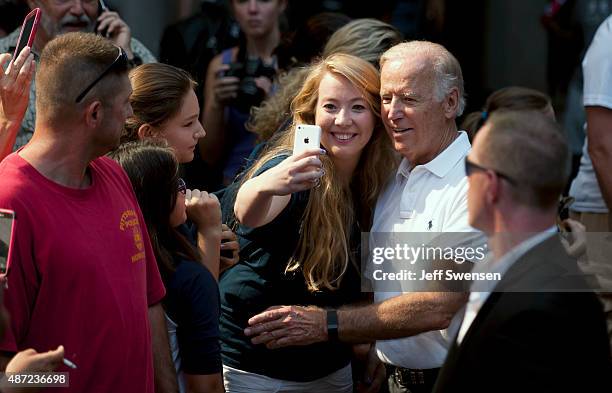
{"x":533,"y":341}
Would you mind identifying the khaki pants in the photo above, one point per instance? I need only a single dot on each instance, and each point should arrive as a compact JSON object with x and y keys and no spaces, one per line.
{"x":599,"y":258}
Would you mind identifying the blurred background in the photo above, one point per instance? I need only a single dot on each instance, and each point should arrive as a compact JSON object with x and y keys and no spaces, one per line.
{"x":531,"y":43}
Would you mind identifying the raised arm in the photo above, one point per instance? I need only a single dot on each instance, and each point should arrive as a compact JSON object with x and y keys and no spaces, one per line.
{"x":203,"y":209}
{"x":261,"y":199}
{"x":14,"y":97}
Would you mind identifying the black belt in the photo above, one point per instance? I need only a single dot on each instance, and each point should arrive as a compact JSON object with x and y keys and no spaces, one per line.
{"x":414,"y":376}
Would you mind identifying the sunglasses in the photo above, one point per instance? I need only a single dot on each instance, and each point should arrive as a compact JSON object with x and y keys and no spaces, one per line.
{"x":182,"y":187}
{"x":121,"y":62}
{"x":471,"y":167}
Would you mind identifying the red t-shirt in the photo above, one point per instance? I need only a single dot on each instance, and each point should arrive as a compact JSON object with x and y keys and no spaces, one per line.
{"x":82,"y":274}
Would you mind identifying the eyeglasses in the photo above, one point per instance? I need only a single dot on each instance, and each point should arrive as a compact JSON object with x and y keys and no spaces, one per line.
{"x":120,"y":62}
{"x":182,"y":187}
{"x":471,"y":167}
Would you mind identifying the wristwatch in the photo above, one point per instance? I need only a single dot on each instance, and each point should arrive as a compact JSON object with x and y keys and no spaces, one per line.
{"x":332,"y":325}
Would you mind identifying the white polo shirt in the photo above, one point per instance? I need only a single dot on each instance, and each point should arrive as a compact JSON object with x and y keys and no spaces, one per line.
{"x":430,"y":197}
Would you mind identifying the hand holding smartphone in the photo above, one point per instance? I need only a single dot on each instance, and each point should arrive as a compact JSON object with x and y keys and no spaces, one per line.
{"x":307,"y":137}
{"x":28,"y":31}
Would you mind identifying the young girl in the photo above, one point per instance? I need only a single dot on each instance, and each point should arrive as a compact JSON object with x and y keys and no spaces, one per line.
{"x":300,"y":223}
{"x":166,"y":108}
{"x":192,"y":299}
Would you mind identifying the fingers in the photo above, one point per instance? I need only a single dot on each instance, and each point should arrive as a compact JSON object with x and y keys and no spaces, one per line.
{"x":270,"y":314}
{"x":228,"y":235}
{"x":229,"y":245}
{"x":15,"y":66}
{"x":264,"y":329}
{"x":574,"y":226}
{"x":109,"y":21}
{"x":51,"y":360}
{"x":4,"y":58}
{"x":24,"y":78}
{"x":308,"y":153}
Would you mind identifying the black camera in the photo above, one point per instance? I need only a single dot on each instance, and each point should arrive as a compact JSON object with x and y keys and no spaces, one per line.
{"x":248,"y":93}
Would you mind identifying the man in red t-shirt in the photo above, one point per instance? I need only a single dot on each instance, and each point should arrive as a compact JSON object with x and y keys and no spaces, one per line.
{"x":81,"y":271}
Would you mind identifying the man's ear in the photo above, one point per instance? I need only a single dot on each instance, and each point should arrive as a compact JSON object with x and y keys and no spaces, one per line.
{"x":493,"y":188}
{"x":451,"y":103}
{"x":94,"y":114}
{"x":147,"y":131}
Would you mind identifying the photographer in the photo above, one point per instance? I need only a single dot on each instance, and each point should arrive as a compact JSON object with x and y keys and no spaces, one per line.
{"x":238,"y":79}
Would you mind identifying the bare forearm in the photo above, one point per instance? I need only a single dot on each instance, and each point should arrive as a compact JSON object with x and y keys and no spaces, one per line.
{"x":602,"y":171}
{"x":599,"y":130}
{"x":165,"y":375}
{"x":401,"y":316}
{"x":8,"y":135}
{"x":255,"y":206}
{"x":209,"y":243}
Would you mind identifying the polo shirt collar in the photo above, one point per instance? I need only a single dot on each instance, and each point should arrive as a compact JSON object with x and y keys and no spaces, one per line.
{"x":442,"y":164}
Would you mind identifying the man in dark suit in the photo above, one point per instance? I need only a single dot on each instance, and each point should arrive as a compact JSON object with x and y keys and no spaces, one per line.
{"x":540,"y":328}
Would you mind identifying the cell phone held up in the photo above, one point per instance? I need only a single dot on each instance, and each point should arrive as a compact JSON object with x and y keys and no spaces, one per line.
{"x":28,"y":31}
{"x":307,"y":137}
{"x":7,"y":218}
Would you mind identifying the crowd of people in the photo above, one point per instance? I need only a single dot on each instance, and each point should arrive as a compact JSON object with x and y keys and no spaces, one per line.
{"x":127,"y":275}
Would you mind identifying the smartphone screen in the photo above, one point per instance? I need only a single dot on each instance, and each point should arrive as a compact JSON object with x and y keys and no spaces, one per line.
{"x":7,"y":219}
{"x":28,"y":31}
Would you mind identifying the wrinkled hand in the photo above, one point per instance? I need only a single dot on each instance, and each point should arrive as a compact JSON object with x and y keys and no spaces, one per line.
{"x":204,"y":210}
{"x":374,"y":374}
{"x":229,"y":241}
{"x":294,"y":174}
{"x":282,"y":326}
{"x":225,"y":87}
{"x":116,"y":30}
{"x":15,"y":85}
{"x":32,"y":361}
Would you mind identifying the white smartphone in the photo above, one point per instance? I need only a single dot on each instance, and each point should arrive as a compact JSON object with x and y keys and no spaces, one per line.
{"x":306,"y":137}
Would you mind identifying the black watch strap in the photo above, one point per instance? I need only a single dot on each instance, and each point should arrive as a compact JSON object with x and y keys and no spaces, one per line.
{"x":332,"y":325}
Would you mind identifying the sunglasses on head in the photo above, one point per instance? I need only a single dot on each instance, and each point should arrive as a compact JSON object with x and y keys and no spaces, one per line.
{"x":471,"y":167}
{"x":121,"y":61}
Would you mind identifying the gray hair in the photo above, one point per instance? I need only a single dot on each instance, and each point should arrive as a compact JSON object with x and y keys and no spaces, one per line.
{"x":446,"y":68}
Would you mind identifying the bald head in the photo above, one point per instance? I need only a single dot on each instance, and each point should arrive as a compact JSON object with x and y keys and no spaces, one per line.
{"x":446,"y":69}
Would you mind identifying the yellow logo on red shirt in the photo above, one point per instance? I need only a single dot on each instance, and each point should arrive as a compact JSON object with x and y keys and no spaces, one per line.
{"x":129,"y":219}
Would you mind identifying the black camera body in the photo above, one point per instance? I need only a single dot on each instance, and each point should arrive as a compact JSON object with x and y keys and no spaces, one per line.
{"x":248,"y":93}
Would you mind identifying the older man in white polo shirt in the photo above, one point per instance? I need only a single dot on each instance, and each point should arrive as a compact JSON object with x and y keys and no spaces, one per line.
{"x":422,"y":94}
